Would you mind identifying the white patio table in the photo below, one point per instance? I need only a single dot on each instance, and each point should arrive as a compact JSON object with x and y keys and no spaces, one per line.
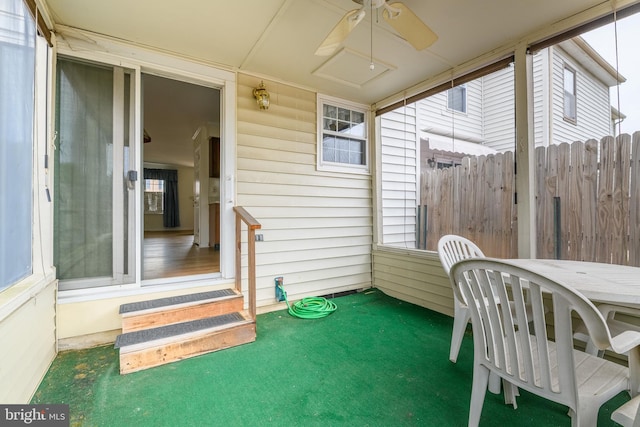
{"x":604,"y":283}
{"x":599,"y":282}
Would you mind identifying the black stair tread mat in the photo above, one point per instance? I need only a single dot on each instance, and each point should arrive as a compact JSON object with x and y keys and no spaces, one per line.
{"x":178,"y":299}
{"x":137,"y":337}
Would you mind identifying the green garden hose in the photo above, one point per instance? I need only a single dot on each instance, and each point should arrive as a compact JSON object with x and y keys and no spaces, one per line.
{"x":310,"y":307}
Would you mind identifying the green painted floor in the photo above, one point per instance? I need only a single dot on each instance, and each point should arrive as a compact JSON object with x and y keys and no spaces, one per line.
{"x":376,"y":361}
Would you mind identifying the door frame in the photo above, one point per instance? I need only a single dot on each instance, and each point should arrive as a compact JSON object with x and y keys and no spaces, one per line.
{"x":100,"y":49}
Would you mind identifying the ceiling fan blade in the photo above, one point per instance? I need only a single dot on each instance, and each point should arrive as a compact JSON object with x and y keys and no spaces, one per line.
{"x":340,"y":32}
{"x":409,"y":26}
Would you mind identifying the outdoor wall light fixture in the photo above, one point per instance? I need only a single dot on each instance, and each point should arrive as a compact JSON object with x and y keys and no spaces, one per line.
{"x":432,"y":162}
{"x":262,"y":96}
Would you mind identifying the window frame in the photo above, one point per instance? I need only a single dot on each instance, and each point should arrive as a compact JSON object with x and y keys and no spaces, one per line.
{"x":161,"y":184}
{"x":324,"y":165}
{"x":465,"y":96}
{"x":574,"y":100}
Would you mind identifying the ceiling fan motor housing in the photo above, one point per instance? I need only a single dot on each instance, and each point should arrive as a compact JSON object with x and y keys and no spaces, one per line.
{"x":374,"y":3}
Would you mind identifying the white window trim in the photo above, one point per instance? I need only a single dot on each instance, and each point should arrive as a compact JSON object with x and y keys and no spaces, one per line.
{"x":342,"y":167}
{"x":566,"y":67}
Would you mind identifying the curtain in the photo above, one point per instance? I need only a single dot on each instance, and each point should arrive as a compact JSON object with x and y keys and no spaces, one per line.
{"x":171,"y":216}
{"x":17,"y":73}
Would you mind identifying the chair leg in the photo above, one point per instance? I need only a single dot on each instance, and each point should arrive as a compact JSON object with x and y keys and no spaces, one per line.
{"x":510,"y":394}
{"x":494,"y":383}
{"x":587,"y":415}
{"x":460,"y":320}
{"x":478,"y":391}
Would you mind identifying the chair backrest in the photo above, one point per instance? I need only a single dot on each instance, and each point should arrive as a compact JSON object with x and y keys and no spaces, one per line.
{"x":453,"y":248}
{"x":496,"y":292}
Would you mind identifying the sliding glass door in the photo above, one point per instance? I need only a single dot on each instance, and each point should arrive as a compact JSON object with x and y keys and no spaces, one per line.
{"x":94,"y":197}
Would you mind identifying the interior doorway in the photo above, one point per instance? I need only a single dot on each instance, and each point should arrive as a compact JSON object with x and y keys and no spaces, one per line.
{"x":181,"y":155}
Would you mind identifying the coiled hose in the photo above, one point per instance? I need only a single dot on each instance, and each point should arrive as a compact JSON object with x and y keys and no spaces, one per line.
{"x":310,"y":307}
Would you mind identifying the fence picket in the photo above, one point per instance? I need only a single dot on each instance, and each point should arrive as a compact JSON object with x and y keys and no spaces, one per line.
{"x":598,"y":184}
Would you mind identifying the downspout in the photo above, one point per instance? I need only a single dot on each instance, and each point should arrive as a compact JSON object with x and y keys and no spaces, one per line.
{"x":525,"y":182}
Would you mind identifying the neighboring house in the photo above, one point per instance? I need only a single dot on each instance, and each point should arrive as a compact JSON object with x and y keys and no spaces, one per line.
{"x":572,"y":102}
{"x":571,"y":83}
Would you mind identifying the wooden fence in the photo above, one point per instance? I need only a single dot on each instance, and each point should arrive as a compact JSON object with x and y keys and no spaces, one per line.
{"x":587,"y":202}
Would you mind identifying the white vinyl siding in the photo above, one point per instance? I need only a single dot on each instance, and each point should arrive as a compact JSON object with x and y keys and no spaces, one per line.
{"x":593,"y":107}
{"x":29,"y":335}
{"x":414,"y":276}
{"x":499,"y":110}
{"x":317,"y":226}
{"x":434,"y":114}
{"x":541,"y":90}
{"x":398,"y":154}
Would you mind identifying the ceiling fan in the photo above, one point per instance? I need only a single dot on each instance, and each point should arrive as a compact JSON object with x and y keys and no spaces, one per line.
{"x":398,"y":15}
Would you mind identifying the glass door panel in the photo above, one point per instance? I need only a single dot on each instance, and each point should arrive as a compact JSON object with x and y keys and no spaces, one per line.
{"x":91,"y":187}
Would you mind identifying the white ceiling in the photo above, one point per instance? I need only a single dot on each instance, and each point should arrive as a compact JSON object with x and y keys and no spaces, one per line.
{"x":277,"y":39}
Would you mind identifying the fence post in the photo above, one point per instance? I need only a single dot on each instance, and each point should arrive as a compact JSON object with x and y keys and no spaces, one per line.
{"x":557,"y":228}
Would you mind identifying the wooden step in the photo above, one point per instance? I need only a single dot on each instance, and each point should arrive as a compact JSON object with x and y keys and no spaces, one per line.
{"x":183,"y":308}
{"x":165,"y":344}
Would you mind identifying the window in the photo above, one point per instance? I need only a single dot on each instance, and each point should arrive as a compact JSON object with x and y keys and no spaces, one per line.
{"x":153,"y":196}
{"x":457,"y":98}
{"x":343,"y":137}
{"x":17,"y":111}
{"x":569,"y":94}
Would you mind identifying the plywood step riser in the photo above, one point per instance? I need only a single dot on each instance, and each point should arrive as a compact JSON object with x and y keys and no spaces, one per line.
{"x":181,"y":314}
{"x":191,"y":346}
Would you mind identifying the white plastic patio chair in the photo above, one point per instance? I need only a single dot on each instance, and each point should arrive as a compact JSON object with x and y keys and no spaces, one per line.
{"x":525,"y":357}
{"x":451,"y":249}
{"x":628,"y":415}
{"x":616,"y":325}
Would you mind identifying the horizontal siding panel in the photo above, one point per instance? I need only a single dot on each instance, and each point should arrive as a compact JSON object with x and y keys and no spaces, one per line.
{"x":298,"y":289}
{"x":267,"y":155}
{"x":30,"y":333}
{"x":274,"y":257}
{"x":310,"y":244}
{"x":246,"y":129}
{"x":292,"y":190}
{"x":250,"y":164}
{"x":348,"y":265}
{"x":413,"y":276}
{"x":313,"y":233}
{"x":327,"y":181}
{"x":261,"y":142}
{"x":271,"y":119}
{"x":315,"y":202}
{"x":310,"y":212}
{"x":317,"y":225}
{"x":275,"y":224}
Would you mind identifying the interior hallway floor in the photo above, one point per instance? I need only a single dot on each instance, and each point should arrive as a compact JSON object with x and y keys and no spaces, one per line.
{"x":376,"y":361}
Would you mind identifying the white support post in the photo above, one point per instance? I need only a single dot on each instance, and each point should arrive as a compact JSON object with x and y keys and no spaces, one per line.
{"x":525,"y":168}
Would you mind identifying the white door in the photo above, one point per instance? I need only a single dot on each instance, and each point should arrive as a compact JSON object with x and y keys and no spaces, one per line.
{"x":201,"y":187}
